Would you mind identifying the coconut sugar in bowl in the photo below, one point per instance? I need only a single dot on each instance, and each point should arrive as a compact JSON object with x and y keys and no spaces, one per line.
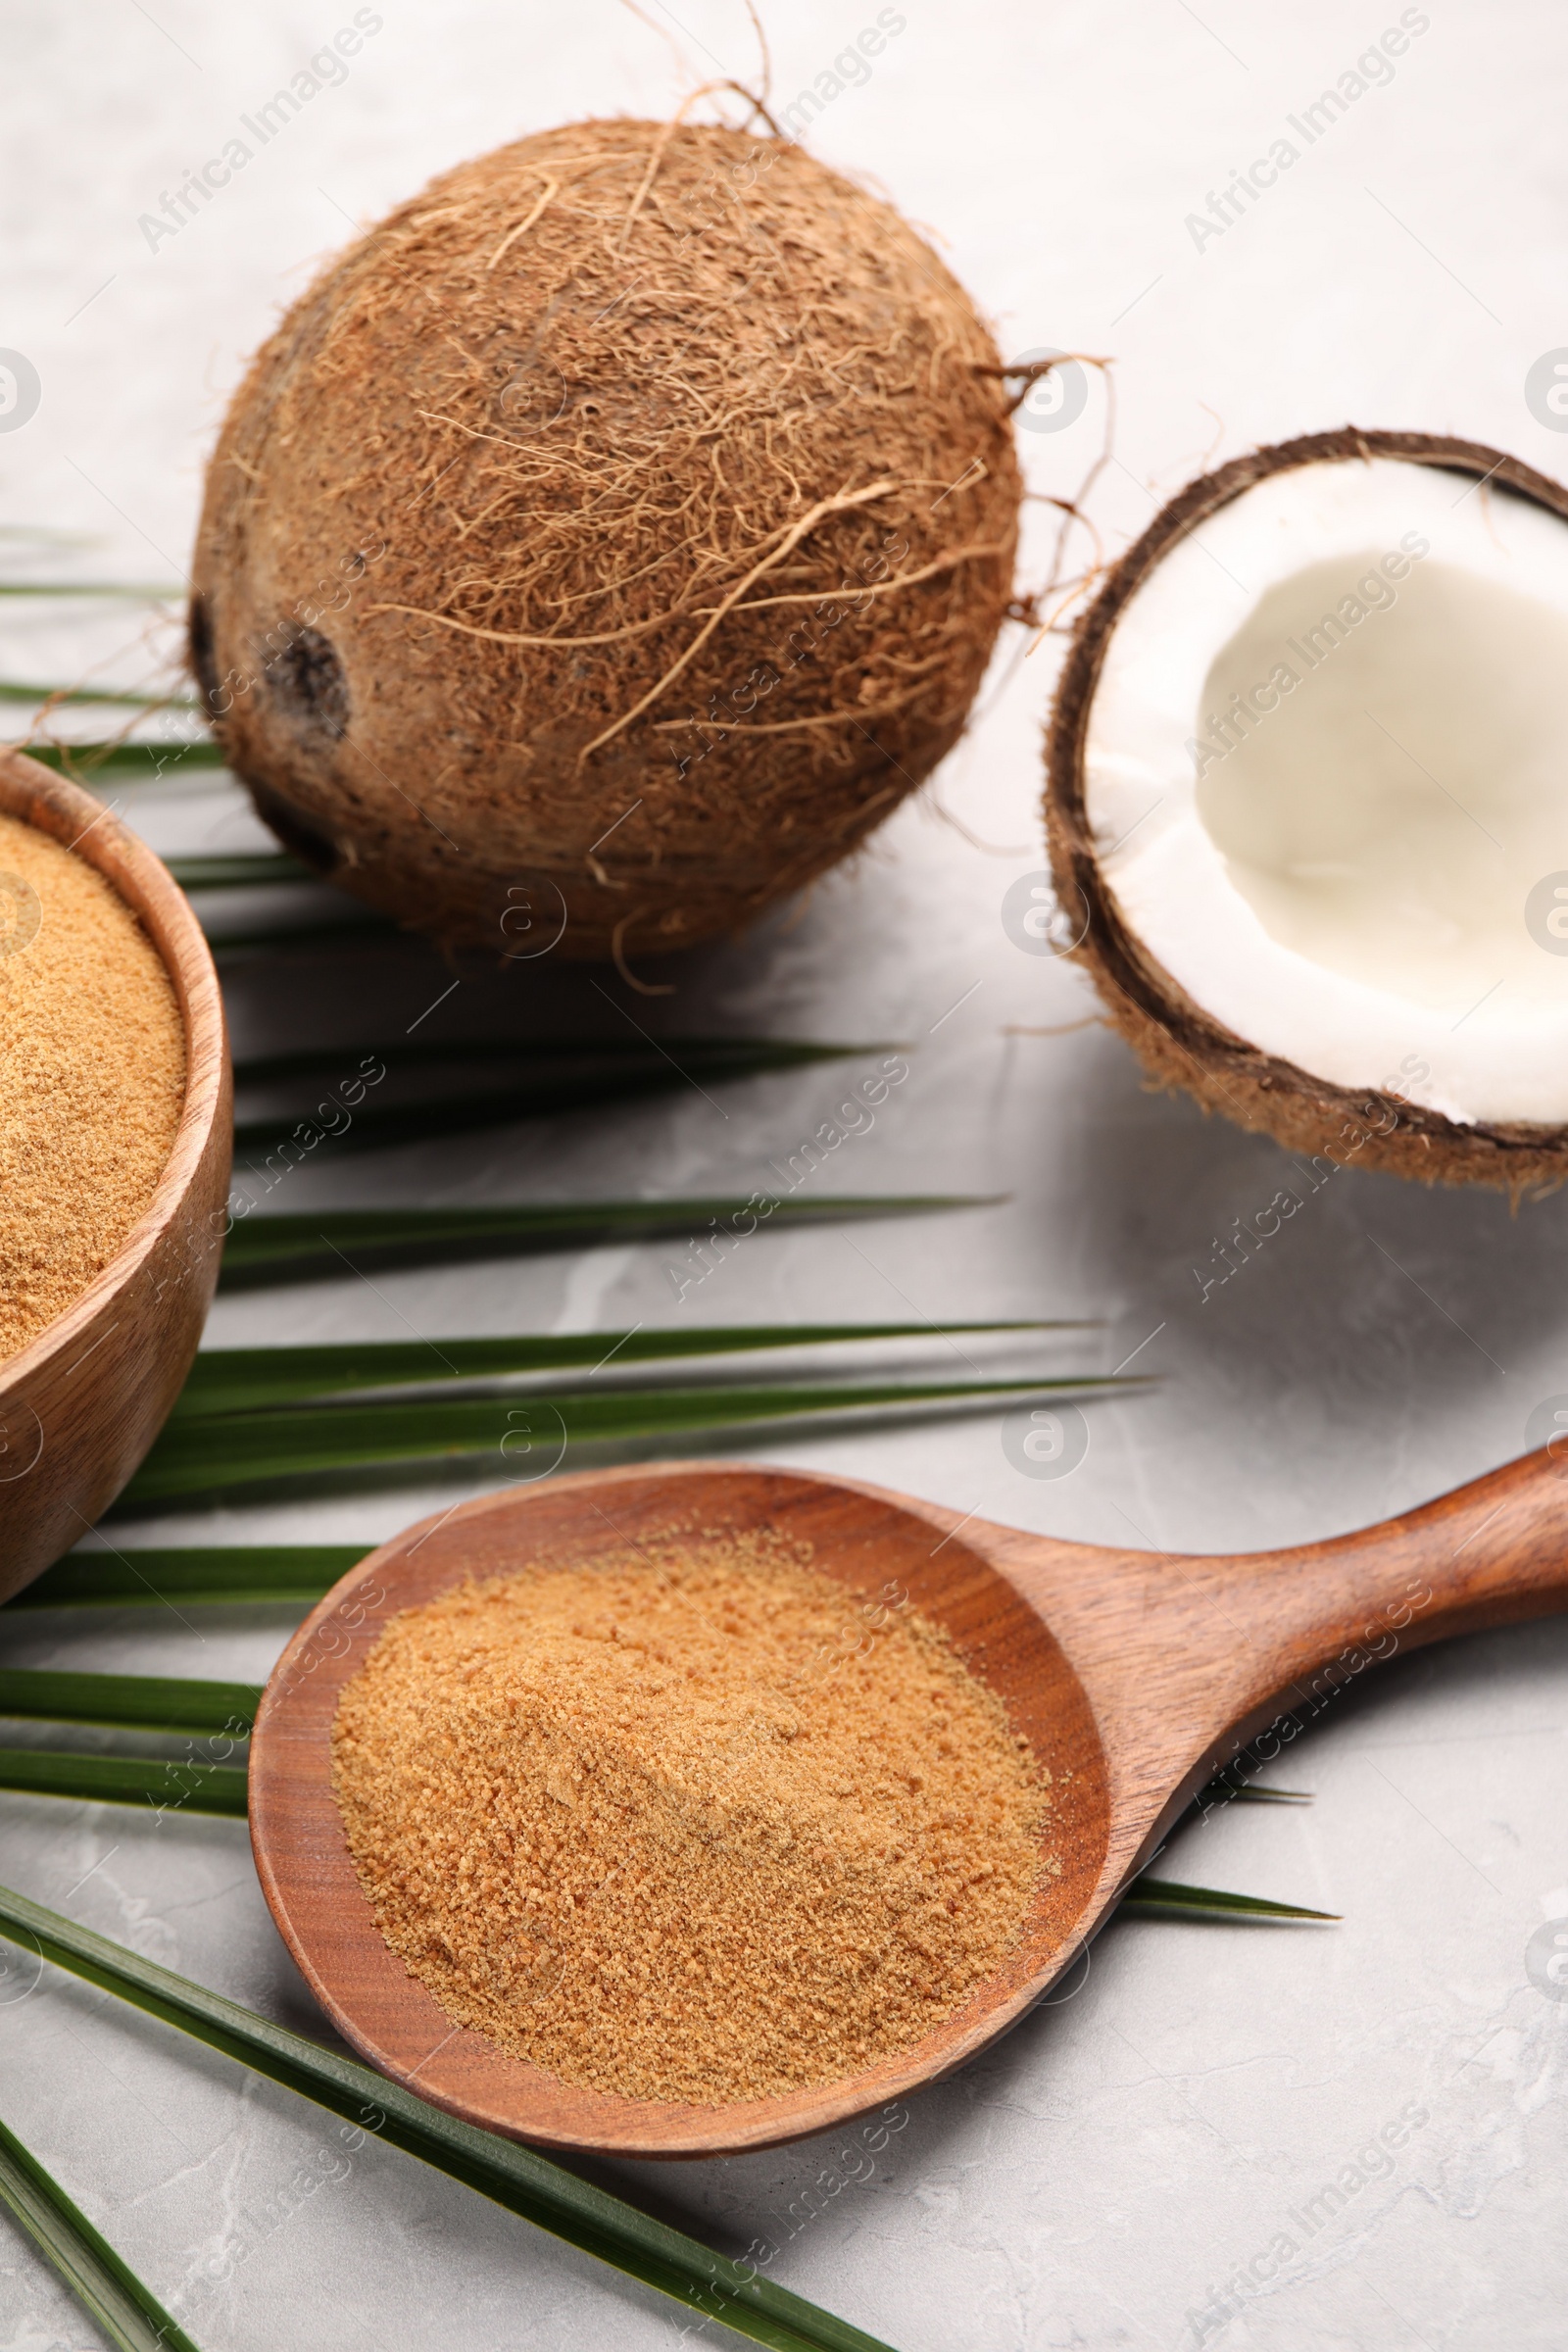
{"x":115,"y":1131}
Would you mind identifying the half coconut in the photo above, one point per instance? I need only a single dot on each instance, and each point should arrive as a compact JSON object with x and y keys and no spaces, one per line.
{"x":1308,"y":802}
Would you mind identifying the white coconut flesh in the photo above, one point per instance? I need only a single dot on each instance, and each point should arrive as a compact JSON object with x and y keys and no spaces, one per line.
{"x":1327,"y":781}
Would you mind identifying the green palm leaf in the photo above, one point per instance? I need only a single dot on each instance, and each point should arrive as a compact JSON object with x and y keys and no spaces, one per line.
{"x":1246,"y":1793}
{"x":125,"y":698}
{"x":129,"y":2313}
{"x":169,"y":1785}
{"x":348,"y":920}
{"x":138,"y":1702}
{"x":315,"y":1070}
{"x":301,"y":1247}
{"x":497,"y":1080}
{"x":239,"y":869}
{"x":235,"y":1379}
{"x":514,"y":2177}
{"x":1147,"y":1894}
{"x":144,"y":591}
{"x":207,"y":1456}
{"x":196,"y":1575}
{"x":123,"y":763}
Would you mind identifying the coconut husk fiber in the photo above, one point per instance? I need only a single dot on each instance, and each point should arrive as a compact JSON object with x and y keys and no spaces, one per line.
{"x":1181,"y":1045}
{"x":611,"y":537}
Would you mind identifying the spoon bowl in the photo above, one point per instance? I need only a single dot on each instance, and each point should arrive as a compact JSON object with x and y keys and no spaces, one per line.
{"x":1134,"y":1677}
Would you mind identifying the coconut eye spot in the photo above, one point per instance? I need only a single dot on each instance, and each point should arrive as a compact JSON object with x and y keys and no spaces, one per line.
{"x":1390,"y":781}
{"x":305,"y":680}
{"x":202,"y":657}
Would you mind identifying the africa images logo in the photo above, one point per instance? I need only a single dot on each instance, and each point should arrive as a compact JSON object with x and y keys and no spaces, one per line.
{"x":19,"y":391}
{"x":326,"y":71}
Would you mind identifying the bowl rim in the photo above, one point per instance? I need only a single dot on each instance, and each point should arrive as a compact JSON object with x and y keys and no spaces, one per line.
{"x":34,"y":795}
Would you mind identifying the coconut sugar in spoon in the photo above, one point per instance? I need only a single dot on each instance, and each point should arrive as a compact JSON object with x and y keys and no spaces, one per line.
{"x":1133,"y":1675}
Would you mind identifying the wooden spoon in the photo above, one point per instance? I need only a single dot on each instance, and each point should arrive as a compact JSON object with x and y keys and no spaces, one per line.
{"x":1134,"y":1675}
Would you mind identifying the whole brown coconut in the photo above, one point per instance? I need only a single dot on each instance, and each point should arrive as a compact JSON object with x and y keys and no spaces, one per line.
{"x":607,"y":542}
{"x":1180,"y":1044}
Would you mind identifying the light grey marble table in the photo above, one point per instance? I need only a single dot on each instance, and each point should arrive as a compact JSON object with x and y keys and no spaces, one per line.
{"x":1185,"y":2148}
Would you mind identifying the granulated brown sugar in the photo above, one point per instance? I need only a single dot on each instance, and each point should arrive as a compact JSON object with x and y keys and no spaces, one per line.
{"x":92,"y":1077}
{"x":688,"y":1822}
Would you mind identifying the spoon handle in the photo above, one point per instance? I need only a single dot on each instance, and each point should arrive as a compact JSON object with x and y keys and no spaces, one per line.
{"x":1187,"y":1658}
{"x":1318,"y":1615}
{"x":1487,"y":1553}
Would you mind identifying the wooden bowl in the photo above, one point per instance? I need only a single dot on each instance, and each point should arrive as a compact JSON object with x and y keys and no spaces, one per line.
{"x":82,"y":1403}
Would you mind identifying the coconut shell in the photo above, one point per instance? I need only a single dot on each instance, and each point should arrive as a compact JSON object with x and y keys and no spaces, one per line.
{"x":610,"y":538}
{"x":1182,"y":1048}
